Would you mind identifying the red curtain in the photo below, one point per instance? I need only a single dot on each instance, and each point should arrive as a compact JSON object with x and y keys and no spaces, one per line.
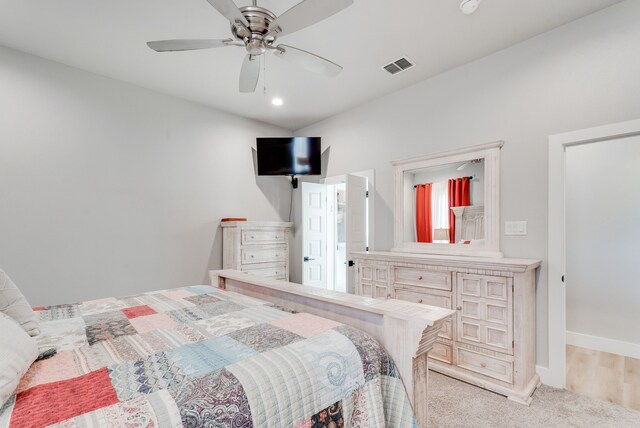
{"x":423,"y":212}
{"x":458,"y":197}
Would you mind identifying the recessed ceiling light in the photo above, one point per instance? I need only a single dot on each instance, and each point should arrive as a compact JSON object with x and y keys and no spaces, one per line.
{"x":277,"y":101}
{"x":469,"y":6}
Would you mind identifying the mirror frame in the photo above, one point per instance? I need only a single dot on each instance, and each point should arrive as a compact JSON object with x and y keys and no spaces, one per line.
{"x":491,"y":154}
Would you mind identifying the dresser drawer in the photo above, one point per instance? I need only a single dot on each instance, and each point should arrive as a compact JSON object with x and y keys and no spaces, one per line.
{"x":422,"y":278}
{"x":250,"y":236}
{"x":442,"y":352}
{"x":447,"y":329}
{"x":277,"y":271}
{"x":264,"y":254}
{"x":497,"y":368}
{"x":441,"y":301}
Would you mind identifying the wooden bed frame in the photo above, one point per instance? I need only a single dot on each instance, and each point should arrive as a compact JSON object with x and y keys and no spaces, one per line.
{"x":469,"y":222}
{"x":406,"y":330}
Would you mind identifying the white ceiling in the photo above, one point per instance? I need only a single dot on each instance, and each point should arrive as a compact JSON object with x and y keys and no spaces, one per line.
{"x":108,"y":38}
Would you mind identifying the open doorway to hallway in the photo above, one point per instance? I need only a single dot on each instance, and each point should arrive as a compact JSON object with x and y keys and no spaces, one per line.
{"x":602,"y":227}
{"x":336,"y":221}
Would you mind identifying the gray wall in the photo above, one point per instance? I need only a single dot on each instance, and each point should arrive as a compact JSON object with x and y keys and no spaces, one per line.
{"x":110,"y":189}
{"x":581,"y":75}
{"x":603,"y":238}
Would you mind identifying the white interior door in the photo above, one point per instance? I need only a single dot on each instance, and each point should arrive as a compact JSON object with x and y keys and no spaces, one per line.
{"x":356,"y":199}
{"x":314,"y":235}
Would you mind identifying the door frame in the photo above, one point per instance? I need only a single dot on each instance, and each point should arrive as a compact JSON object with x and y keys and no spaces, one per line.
{"x":370,"y":175}
{"x":558,"y":144}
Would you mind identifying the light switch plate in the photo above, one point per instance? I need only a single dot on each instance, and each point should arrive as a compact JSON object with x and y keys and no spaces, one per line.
{"x":515,"y":228}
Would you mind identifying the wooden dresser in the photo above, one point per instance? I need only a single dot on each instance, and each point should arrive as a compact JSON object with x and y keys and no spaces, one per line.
{"x":491,"y":340}
{"x":257,"y":247}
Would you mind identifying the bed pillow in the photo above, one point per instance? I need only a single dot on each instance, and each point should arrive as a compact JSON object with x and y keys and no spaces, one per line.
{"x":13,"y":304}
{"x":17,"y":351}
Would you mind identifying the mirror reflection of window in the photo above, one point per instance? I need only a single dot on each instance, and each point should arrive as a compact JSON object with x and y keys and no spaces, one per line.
{"x":436,"y":190}
{"x":440,"y":212}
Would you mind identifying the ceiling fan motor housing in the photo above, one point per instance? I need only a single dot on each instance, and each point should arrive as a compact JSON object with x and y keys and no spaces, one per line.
{"x":259,"y":20}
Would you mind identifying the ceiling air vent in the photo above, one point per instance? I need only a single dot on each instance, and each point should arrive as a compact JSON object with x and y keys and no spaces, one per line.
{"x":398,"y":65}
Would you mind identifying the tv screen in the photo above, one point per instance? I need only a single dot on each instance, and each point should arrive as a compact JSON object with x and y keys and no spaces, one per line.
{"x":289,"y":156}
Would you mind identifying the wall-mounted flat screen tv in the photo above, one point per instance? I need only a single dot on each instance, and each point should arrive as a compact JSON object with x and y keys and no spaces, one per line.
{"x":289,"y":156}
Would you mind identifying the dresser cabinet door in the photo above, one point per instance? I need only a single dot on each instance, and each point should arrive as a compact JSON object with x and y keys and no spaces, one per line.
{"x":485,"y":311}
{"x":373,"y":281}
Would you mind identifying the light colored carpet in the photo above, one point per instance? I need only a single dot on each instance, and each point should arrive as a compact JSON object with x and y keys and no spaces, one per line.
{"x":457,"y":404}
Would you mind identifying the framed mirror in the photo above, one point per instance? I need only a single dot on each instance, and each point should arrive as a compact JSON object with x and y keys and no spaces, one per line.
{"x":449,"y":202}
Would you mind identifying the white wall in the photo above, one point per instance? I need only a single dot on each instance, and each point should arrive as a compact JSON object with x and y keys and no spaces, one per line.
{"x":603,"y":236}
{"x":110,"y":189}
{"x":581,"y":75}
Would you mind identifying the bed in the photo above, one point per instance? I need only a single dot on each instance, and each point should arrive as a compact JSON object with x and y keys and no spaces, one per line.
{"x":469,"y":224}
{"x":247,"y":352}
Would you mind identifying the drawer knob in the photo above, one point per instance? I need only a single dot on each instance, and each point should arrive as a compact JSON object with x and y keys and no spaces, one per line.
{"x":459,"y":308}
{"x":483,"y":365}
{"x":388,"y":296}
{"x":420,"y":301}
{"x":251,"y":236}
{"x":277,"y":255}
{"x":251,"y":255}
{"x":420,"y":278}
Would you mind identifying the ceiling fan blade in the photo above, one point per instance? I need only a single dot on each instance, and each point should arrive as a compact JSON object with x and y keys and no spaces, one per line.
{"x":187,"y":44}
{"x":305,"y":14}
{"x":229,"y":10}
{"x":308,"y":60}
{"x":249,"y":73}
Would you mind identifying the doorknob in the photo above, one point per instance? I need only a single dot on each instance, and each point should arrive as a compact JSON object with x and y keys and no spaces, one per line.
{"x":306,"y":259}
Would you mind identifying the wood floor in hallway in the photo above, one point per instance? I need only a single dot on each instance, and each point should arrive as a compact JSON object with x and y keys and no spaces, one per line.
{"x":604,"y":376}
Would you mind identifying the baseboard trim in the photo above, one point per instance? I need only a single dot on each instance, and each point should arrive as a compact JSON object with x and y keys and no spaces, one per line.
{"x":604,"y":344}
{"x":543,"y":372}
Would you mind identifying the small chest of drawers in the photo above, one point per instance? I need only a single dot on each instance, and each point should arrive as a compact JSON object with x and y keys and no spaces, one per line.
{"x":257,"y":247}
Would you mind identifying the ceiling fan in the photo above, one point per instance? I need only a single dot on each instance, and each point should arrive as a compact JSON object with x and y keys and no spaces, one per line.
{"x":256,"y":29}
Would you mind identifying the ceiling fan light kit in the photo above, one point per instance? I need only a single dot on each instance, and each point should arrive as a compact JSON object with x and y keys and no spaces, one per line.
{"x":469,"y":6}
{"x":256,"y":29}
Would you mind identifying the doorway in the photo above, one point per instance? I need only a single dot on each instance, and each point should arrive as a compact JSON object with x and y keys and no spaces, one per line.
{"x":336,"y":219}
{"x":593,"y":233}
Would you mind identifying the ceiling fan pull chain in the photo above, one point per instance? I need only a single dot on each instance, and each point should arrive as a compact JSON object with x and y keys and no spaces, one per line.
{"x":264,"y":74}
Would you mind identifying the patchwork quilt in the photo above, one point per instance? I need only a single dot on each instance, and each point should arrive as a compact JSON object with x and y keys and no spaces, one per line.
{"x":199,"y":356}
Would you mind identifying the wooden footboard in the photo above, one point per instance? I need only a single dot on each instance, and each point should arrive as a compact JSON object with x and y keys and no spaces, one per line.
{"x":406,"y":330}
